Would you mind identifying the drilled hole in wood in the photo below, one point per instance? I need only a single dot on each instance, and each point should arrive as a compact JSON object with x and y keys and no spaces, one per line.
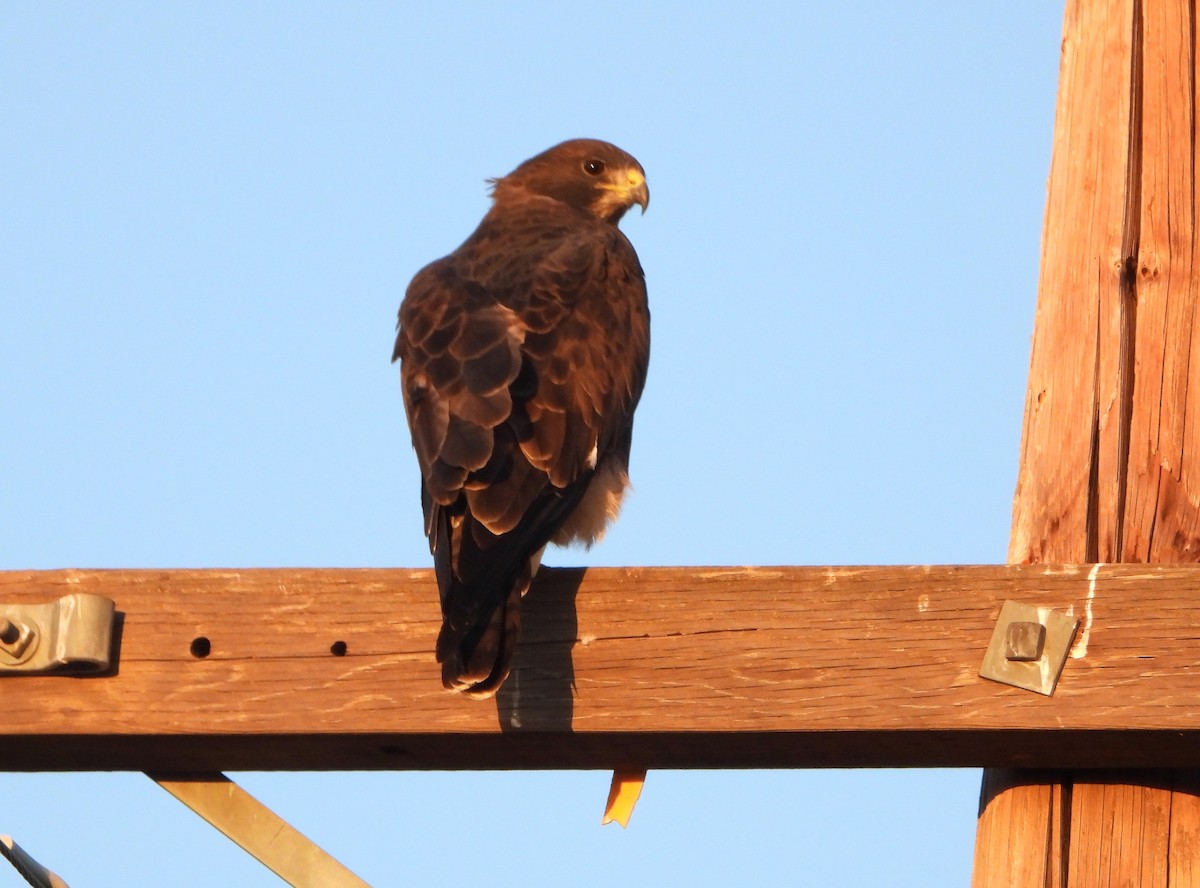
{"x":338,"y":649}
{"x":201,"y":647}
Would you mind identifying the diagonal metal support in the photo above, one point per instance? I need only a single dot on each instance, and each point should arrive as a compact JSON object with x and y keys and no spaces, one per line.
{"x":270,"y":839}
{"x":28,"y":868}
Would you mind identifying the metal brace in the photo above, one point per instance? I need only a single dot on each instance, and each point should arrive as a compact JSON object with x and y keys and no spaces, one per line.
{"x":1029,"y":647}
{"x":270,"y":839}
{"x":70,"y":636}
{"x":28,"y":868}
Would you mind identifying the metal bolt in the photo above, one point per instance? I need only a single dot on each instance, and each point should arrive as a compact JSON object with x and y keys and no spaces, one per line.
{"x":1023,"y":641}
{"x":15,"y":638}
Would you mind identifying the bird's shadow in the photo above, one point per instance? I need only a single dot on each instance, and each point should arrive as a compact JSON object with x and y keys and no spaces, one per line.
{"x":539,"y":694}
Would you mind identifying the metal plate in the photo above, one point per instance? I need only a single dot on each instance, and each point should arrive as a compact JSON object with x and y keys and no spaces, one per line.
{"x":72,"y":635}
{"x":1040,"y":674}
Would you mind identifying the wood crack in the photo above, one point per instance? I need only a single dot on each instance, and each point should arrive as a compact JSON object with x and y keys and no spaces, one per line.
{"x":1191,"y":68}
{"x":1130,"y":244}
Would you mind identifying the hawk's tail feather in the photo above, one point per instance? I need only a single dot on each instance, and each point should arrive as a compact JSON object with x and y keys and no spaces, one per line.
{"x":476,"y":658}
{"x":481,"y":578}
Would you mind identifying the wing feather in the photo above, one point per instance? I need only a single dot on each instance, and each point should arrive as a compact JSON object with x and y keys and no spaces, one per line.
{"x":522,"y":358}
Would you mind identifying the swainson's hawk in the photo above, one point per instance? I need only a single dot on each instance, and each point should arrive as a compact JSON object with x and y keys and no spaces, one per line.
{"x":522,"y":357}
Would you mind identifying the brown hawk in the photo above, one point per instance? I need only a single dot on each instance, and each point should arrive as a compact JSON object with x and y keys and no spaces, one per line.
{"x":522,"y":357}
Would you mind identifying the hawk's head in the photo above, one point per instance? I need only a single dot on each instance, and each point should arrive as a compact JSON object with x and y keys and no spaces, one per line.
{"x":588,"y":174}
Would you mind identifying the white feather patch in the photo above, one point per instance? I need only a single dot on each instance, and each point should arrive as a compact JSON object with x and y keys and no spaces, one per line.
{"x":600,"y":505}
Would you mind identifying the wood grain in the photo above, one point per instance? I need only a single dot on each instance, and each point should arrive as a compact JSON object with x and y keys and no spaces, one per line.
{"x":1070,"y":477}
{"x":630,"y":667}
{"x":1109,"y":451}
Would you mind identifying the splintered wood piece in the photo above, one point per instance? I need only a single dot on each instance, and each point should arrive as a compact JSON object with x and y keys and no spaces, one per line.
{"x":623,"y":794}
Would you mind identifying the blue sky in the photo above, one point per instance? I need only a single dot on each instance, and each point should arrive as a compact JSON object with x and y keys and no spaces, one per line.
{"x":210,"y":213}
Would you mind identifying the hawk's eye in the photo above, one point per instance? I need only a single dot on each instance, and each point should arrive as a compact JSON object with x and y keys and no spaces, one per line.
{"x":593,"y":167}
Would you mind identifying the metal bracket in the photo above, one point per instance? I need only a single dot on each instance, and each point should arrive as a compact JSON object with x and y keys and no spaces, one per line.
{"x":71,"y":636}
{"x":1029,"y":647}
{"x":274,"y":842}
{"x":28,"y":868}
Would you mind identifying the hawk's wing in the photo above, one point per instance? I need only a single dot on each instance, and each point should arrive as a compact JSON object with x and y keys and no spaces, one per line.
{"x":520,"y":386}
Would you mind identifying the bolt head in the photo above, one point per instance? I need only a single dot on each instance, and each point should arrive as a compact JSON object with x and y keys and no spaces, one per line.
{"x":1024,"y":641}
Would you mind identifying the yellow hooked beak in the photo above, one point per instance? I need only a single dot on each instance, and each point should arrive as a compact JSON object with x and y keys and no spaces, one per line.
{"x":636,"y":190}
{"x":628,"y":187}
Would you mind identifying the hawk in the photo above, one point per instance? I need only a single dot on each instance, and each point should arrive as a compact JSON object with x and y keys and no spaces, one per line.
{"x":522,"y":357}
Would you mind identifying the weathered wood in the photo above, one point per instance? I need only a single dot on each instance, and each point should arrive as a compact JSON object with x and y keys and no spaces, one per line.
{"x":630,"y":667}
{"x":1109,"y":455}
{"x":1116,"y":346}
{"x":1031,"y":825}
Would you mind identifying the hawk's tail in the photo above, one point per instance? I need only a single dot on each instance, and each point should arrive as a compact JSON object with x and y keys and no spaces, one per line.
{"x":476,"y":656}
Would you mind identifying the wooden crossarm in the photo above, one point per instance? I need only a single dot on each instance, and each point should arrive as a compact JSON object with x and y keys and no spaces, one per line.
{"x":633,"y":667}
